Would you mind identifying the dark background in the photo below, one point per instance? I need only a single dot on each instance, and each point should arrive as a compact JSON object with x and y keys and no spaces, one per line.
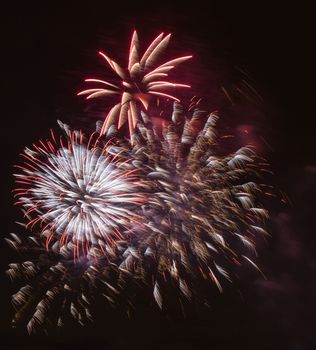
{"x":49,"y":49}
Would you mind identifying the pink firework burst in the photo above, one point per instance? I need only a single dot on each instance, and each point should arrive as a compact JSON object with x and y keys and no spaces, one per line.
{"x":142,"y":79}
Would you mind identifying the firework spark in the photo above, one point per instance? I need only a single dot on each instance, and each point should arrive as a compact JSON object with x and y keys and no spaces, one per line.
{"x":139,"y":81}
{"x":80,"y":191}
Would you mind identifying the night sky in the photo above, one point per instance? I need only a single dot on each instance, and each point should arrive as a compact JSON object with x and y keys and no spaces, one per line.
{"x":49,"y":49}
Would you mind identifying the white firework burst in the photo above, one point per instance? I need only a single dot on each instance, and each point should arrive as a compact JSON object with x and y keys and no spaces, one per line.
{"x":81,"y":192}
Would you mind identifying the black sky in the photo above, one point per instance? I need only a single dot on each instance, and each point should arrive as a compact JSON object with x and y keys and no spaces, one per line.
{"x":49,"y":48}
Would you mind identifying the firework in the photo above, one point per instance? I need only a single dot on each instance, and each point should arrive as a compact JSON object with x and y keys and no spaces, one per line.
{"x":163,"y":212}
{"x":141,"y":80}
{"x":80,"y":190}
{"x":58,"y":290}
{"x":204,"y":217}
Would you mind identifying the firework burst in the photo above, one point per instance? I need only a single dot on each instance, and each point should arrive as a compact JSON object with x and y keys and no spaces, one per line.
{"x":141,"y":80}
{"x":204,"y":217}
{"x":56,"y":290}
{"x":80,"y":191}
